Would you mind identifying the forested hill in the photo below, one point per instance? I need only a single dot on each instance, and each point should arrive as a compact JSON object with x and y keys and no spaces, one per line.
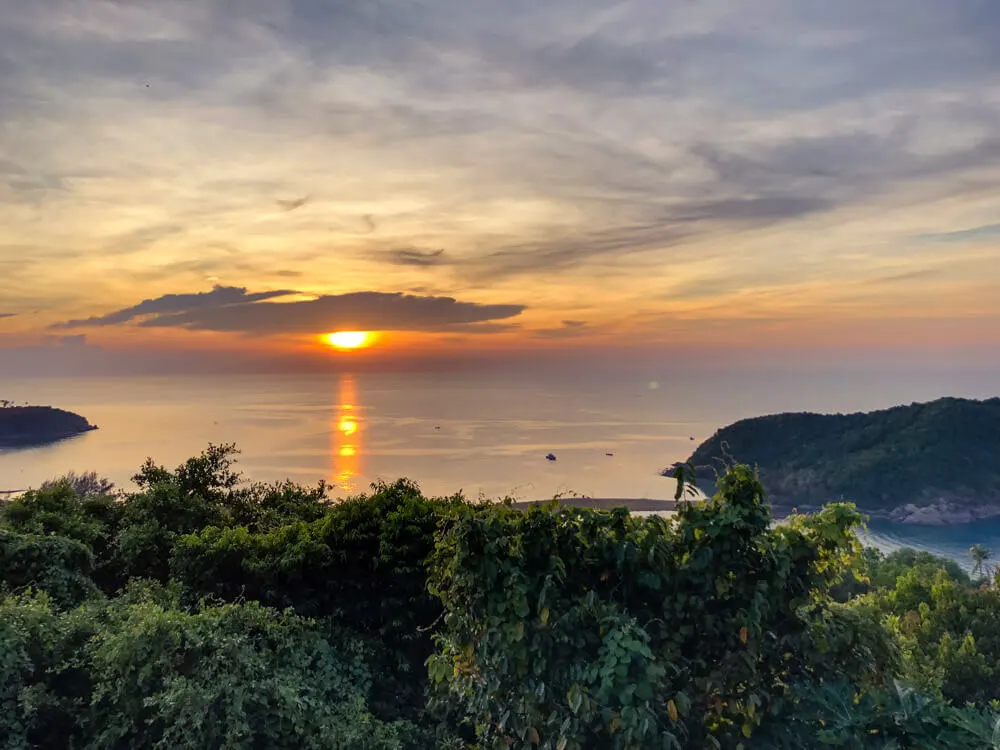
{"x":22,"y":426}
{"x":945,"y":453}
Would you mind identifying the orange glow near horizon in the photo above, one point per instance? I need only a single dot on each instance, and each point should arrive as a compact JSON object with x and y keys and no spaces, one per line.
{"x":348,"y":339}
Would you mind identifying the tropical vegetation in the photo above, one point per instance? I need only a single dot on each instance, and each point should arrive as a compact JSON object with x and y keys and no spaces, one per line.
{"x":204,"y":611}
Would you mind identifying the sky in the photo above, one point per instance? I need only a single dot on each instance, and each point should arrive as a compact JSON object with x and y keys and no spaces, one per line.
{"x":226,"y":180}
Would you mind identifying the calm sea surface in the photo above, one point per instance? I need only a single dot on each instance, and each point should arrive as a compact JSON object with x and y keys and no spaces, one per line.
{"x":484,"y":435}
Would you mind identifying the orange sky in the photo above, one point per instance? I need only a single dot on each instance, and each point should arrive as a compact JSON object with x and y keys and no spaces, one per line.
{"x":576,"y":175}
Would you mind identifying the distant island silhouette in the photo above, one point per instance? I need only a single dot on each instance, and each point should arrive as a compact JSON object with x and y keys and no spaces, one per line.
{"x":929,"y":463}
{"x":29,"y":426}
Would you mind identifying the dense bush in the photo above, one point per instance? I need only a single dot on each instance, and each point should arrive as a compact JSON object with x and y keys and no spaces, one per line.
{"x":55,"y":564}
{"x":949,"y":632}
{"x":205,"y":491}
{"x":69,"y":509}
{"x":227,"y":677}
{"x":363,"y":566}
{"x":836,"y":715}
{"x":884,"y":570}
{"x":578,"y":629}
{"x":44,"y":689}
{"x":136,"y":674}
{"x":202,"y":611}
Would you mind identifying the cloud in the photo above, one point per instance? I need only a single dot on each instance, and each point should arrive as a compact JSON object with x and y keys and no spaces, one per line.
{"x":905,"y":276}
{"x":143,"y":238}
{"x":754,"y":209}
{"x":569,"y":329}
{"x":569,"y":252}
{"x":219,"y":298}
{"x":291,"y":205}
{"x":987,"y":231}
{"x":549,"y":149}
{"x":231,"y":309}
{"x":416,"y":257}
{"x":7,"y":315}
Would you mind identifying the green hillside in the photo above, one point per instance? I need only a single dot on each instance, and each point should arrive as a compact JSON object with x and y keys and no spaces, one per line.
{"x":945,"y":450}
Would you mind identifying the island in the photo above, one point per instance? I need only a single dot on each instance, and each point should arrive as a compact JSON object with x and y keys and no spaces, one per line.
{"x":926,"y":463}
{"x":29,"y":426}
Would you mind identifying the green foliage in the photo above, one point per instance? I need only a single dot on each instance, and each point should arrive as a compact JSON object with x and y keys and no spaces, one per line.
{"x":234,"y":676}
{"x":57,"y":565}
{"x":949,"y":634}
{"x":363,"y":566}
{"x":136,"y":674}
{"x":204,"y":491}
{"x":569,"y":628}
{"x":552,"y":628}
{"x":836,"y":715}
{"x":881,"y":459}
{"x":43,"y":687}
{"x":61,"y":509}
{"x":883,"y":571}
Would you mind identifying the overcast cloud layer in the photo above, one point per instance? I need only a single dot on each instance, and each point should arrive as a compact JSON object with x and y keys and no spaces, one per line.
{"x":653,"y":168}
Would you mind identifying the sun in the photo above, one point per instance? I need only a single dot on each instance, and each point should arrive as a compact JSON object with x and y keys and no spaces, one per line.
{"x":348,"y":339}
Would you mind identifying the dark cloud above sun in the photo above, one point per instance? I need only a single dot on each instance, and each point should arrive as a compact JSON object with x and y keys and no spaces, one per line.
{"x":233,"y":309}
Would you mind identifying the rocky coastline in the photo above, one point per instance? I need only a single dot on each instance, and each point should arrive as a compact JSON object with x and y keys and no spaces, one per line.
{"x":944,"y":512}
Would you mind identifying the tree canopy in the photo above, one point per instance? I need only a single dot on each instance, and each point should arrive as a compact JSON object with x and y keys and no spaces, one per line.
{"x":205,"y":611}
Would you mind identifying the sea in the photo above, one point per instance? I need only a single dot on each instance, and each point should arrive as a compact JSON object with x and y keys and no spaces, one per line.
{"x":486,"y":435}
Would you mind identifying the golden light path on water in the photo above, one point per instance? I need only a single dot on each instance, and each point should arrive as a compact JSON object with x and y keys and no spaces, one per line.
{"x":346,"y":432}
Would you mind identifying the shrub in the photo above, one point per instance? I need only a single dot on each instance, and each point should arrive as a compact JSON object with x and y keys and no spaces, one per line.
{"x":70,"y":507}
{"x":948,"y":632}
{"x":57,"y":565}
{"x":836,"y":715}
{"x":570,"y":628}
{"x":43,"y":686}
{"x":134,"y":673}
{"x":363,"y":566}
{"x":204,"y":491}
{"x":234,"y":676}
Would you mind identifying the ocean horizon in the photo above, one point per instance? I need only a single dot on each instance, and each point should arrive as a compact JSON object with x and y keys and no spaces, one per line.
{"x":485,"y":435}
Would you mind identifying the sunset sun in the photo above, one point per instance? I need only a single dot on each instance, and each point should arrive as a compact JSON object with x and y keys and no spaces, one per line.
{"x":348,"y":339}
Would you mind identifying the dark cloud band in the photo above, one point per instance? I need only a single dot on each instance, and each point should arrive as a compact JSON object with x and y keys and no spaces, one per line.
{"x":232,"y":309}
{"x":218,"y":298}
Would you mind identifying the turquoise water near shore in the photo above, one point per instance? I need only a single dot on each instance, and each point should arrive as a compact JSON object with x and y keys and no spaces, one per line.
{"x":947,"y":541}
{"x":485,"y":434}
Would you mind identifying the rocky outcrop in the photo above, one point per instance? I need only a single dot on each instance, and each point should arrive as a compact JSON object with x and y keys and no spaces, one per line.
{"x":943,"y":513}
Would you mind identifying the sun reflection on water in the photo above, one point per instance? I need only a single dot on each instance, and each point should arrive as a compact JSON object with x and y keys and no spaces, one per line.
{"x":346,"y":431}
